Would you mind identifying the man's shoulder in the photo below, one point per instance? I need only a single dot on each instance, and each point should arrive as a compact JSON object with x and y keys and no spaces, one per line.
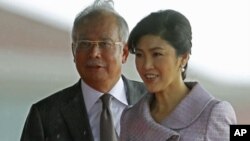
{"x":135,"y":90}
{"x":132,"y":82}
{"x":58,"y":97}
{"x":135,"y":82}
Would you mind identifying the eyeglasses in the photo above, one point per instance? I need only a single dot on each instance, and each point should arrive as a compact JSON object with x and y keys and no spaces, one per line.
{"x":85,"y":45}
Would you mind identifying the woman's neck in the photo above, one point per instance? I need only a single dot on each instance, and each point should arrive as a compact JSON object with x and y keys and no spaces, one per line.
{"x":164,"y":102}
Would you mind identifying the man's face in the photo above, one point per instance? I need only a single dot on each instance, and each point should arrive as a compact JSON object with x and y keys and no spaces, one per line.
{"x":99,"y":67}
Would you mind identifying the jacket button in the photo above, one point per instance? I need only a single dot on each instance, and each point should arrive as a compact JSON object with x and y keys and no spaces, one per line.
{"x":58,"y":136}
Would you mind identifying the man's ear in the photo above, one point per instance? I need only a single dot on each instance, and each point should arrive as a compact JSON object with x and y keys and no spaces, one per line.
{"x":73,"y":50}
{"x":125,"y":53}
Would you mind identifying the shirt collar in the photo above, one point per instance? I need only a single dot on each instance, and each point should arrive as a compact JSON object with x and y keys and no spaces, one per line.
{"x":91,"y":96}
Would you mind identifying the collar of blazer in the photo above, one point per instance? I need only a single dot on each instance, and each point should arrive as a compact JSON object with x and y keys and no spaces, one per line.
{"x":191,"y":106}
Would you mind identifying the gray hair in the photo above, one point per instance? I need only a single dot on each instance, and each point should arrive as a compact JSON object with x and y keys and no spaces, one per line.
{"x":103,"y":6}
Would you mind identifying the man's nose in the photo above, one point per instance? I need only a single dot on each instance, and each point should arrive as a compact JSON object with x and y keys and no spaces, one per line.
{"x":94,"y":50}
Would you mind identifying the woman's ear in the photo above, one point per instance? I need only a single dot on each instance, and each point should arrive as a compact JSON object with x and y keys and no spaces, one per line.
{"x":184,"y":58}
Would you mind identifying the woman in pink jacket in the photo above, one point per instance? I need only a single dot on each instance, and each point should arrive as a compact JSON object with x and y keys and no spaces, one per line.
{"x":173,"y":109}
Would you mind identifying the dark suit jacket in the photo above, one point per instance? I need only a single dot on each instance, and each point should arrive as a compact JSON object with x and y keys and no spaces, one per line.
{"x":63,"y":116}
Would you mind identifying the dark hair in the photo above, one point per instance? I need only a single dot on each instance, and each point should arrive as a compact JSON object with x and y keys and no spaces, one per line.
{"x":99,"y":8}
{"x":170,"y":25}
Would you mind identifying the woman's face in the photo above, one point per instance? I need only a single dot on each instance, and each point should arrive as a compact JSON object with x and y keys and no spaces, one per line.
{"x":157,"y":63}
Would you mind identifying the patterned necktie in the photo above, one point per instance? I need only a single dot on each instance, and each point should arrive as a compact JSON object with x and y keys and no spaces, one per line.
{"x":107,"y":130}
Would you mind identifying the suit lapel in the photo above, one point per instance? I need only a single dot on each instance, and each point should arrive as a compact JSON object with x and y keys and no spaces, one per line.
{"x":76,"y":116}
{"x":75,"y":113}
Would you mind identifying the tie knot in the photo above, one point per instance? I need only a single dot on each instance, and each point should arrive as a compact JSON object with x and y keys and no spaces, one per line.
{"x":106,"y":100}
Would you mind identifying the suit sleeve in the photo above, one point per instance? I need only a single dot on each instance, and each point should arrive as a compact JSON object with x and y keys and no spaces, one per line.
{"x":33,"y":128}
{"x":222,"y":115}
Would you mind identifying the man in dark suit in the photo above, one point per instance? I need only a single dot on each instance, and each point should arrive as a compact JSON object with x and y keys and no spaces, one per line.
{"x":99,"y":48}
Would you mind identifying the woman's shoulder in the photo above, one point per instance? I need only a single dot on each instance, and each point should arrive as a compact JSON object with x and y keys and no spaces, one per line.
{"x":223,"y":111}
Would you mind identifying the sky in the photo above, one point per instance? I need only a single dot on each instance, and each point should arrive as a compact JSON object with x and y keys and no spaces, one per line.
{"x":221,"y":28}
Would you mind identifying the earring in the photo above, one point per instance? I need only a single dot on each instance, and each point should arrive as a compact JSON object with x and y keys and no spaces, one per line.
{"x":182,"y":68}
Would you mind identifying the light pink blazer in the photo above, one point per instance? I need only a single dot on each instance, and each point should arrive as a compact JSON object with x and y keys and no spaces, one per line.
{"x":199,"y":117}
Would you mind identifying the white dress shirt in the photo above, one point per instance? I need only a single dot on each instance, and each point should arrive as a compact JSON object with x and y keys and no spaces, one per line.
{"x":94,"y":106}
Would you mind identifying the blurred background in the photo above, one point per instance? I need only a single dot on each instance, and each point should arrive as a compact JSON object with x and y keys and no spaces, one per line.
{"x":36,"y":58}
